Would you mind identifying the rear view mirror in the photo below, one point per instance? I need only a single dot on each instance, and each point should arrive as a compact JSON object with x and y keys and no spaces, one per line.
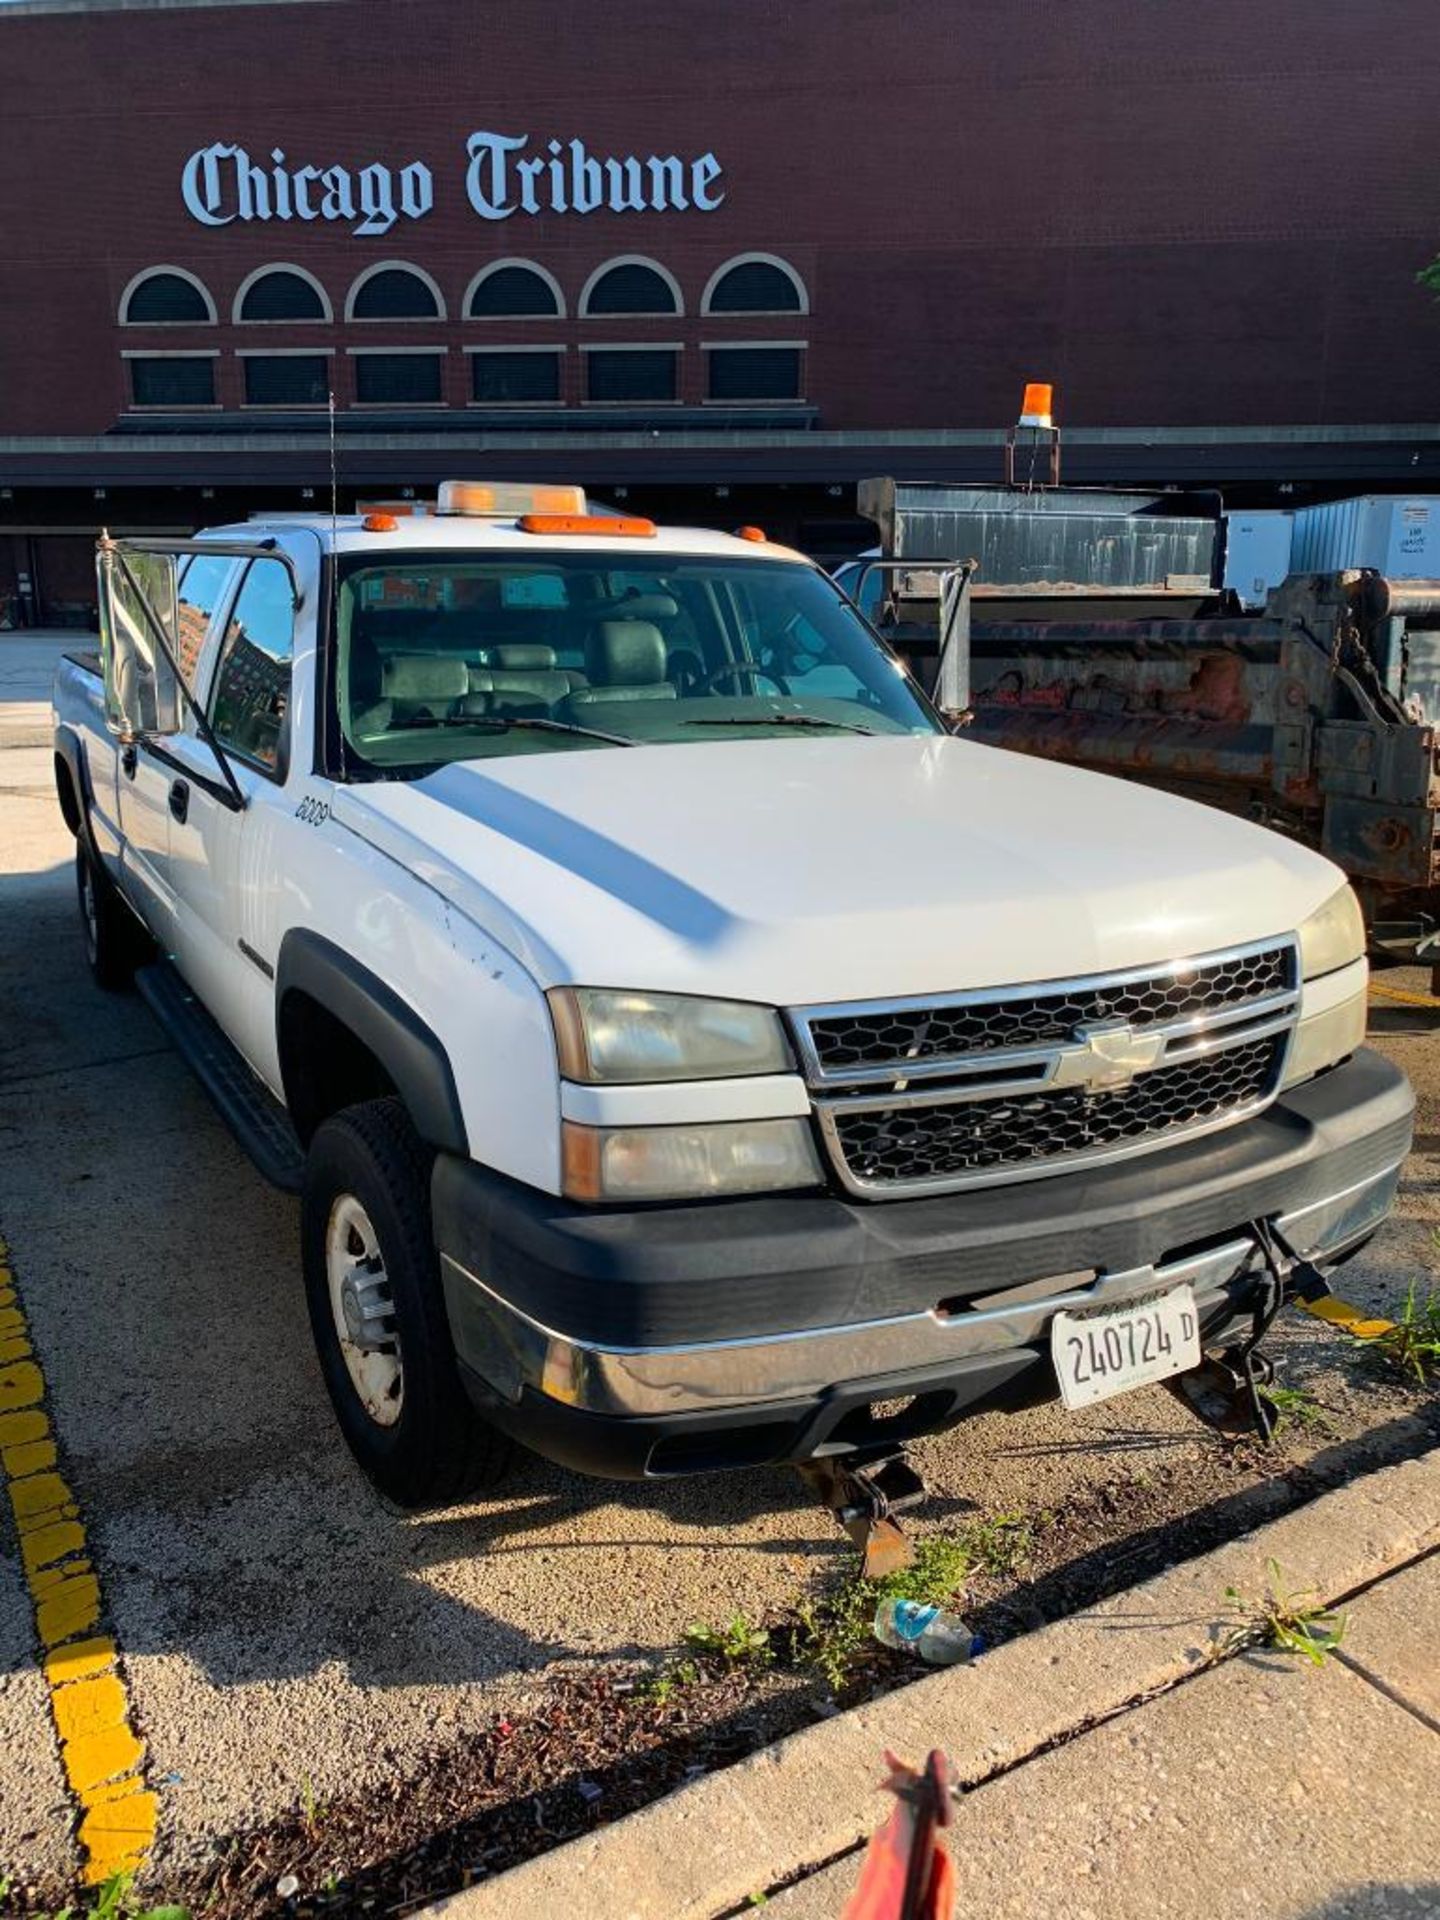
{"x":138,"y":623}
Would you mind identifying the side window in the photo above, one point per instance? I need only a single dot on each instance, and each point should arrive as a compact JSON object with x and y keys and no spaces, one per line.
{"x":251,"y":701}
{"x":197,"y":597}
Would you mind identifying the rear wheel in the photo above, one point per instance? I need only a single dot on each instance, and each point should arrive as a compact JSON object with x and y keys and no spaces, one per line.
{"x":377,"y":1311}
{"x":114,"y":940}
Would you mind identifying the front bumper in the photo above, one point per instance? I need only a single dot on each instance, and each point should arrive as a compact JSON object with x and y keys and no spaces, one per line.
{"x":674,"y":1339}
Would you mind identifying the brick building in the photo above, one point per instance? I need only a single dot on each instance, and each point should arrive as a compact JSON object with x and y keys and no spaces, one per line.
{"x":720,"y":260}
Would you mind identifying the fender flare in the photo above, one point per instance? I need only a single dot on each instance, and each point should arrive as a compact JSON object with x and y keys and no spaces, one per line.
{"x":69,"y":749}
{"x":408,"y":1050}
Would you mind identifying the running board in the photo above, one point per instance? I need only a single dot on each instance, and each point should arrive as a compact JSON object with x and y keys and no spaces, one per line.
{"x":246,"y":1105}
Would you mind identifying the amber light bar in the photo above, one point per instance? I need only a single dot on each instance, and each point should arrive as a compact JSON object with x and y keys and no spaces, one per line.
{"x":611,"y":525}
{"x":499,"y":499}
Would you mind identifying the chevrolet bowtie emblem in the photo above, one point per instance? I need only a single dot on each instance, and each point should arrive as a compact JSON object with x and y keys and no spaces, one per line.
{"x":1107,"y":1055}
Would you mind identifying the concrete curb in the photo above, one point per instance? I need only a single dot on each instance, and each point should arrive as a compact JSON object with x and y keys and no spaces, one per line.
{"x":701,"y":1850}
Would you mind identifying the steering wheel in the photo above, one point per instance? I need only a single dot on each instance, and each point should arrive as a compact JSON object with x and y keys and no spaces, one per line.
{"x":733,"y":670}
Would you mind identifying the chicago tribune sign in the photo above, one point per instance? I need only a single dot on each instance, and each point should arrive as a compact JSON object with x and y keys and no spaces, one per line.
{"x":504,"y":177}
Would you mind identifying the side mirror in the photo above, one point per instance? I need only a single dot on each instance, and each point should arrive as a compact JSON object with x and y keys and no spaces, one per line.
{"x":137,"y":609}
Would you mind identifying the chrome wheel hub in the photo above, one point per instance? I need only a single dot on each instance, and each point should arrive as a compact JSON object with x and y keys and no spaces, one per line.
{"x":364,"y":1309}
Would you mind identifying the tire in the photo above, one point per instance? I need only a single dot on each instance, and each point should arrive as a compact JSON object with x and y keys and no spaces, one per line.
{"x":115,"y":942}
{"x":366,"y":1202}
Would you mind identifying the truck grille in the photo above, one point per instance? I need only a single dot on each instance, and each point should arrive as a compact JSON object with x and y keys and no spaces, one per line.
{"x":951,"y":1142}
{"x":886,"y":1036}
{"x":969,"y":1089}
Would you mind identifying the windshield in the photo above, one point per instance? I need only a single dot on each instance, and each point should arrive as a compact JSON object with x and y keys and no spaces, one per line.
{"x":446,"y":656}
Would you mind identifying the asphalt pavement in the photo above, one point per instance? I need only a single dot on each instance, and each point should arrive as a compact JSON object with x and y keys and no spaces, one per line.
{"x":282,"y":1634}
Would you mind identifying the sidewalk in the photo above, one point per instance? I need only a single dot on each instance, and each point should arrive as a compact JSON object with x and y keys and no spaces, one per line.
{"x":1119,"y":1766}
{"x":1262,"y":1786}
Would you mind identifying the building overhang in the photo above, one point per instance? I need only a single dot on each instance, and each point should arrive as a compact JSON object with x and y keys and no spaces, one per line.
{"x":686,"y":452}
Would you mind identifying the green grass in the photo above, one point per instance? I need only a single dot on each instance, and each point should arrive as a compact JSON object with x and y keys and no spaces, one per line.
{"x":663,"y":1688}
{"x":1294,"y":1407}
{"x":737,"y":1642}
{"x":311,"y":1810}
{"x":835,"y":1629}
{"x":828,"y":1632}
{"x":1286,"y":1619}
{"x":1000,"y":1545}
{"x":1413,"y":1345}
{"x":116,"y":1899}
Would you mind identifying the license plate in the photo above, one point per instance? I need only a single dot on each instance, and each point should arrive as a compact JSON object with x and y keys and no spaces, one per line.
{"x":1109,"y":1350}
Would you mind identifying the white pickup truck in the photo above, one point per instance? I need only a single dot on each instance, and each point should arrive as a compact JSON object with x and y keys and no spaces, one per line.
{"x":689,"y":1053}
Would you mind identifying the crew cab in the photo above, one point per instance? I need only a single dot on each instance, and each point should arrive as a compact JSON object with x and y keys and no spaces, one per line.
{"x":689,"y":1052}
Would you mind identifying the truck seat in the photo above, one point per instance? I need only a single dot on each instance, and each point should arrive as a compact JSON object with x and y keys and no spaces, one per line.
{"x":417,"y":685}
{"x":626,"y":659}
{"x":519,"y":677}
{"x":683,"y":664}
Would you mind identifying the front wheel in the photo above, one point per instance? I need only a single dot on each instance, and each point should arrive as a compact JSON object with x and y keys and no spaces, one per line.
{"x":114,"y":942}
{"x":377,"y":1311}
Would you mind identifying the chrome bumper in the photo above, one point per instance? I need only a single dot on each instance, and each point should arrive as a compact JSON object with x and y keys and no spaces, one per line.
{"x":514,"y":1352}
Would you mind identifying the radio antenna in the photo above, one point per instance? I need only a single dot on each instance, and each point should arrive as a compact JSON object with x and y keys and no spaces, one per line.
{"x":334,"y":474}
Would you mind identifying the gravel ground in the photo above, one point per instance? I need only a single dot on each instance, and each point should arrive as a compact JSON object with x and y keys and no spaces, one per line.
{"x":290,"y":1641}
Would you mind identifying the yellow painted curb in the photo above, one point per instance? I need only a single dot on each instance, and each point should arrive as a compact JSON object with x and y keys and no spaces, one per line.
{"x":102,"y":1755}
{"x":1405,"y":999}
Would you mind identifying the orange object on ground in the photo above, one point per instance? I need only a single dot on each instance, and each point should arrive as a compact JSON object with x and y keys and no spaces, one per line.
{"x":908,"y":1875}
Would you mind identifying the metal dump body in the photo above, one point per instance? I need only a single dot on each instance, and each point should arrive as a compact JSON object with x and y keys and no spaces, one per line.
{"x":1078,"y":536}
{"x":1319,"y":715}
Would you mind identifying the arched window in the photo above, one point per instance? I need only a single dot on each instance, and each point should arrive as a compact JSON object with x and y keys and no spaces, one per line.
{"x":755,"y":283}
{"x":166,"y":297}
{"x":393,"y":291}
{"x":281,"y":293}
{"x":511,"y":289}
{"x":629,"y":285}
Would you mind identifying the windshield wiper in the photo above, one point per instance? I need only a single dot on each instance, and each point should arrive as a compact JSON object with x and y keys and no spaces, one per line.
{"x":778,"y":720}
{"x":511,"y":723}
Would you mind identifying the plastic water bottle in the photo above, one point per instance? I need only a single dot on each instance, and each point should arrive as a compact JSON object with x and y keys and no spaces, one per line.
{"x":910,"y":1626}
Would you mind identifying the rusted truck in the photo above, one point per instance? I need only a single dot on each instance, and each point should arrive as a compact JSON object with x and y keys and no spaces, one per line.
{"x":1091,"y":626}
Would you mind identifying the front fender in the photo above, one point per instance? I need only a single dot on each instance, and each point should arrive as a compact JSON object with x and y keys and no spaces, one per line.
{"x":409,"y":1051}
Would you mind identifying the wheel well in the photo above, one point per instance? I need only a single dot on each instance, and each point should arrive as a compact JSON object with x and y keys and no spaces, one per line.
{"x":324,"y":1066}
{"x":65,"y":791}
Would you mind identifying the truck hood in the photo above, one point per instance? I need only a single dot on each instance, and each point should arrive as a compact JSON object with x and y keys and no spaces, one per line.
{"x":833,"y":868}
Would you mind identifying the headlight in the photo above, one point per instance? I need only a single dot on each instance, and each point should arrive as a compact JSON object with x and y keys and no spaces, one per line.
{"x":605,"y":1036}
{"x":687,"y":1162}
{"x":1333,"y":936}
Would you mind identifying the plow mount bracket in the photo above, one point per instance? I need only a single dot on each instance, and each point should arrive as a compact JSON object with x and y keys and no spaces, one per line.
{"x":865,"y":1491}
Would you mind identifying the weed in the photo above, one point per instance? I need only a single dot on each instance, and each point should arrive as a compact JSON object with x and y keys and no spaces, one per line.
{"x":1295,"y":1407}
{"x":1287,"y":1620}
{"x":833,"y":1630}
{"x":1413,"y":1343}
{"x":1000,"y":1545}
{"x":738,"y":1641}
{"x":116,"y":1899}
{"x":311,"y":1810}
{"x":666,"y":1684}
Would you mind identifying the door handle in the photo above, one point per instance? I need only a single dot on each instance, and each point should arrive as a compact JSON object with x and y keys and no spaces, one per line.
{"x":180,"y":799}
{"x":129,"y":758}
